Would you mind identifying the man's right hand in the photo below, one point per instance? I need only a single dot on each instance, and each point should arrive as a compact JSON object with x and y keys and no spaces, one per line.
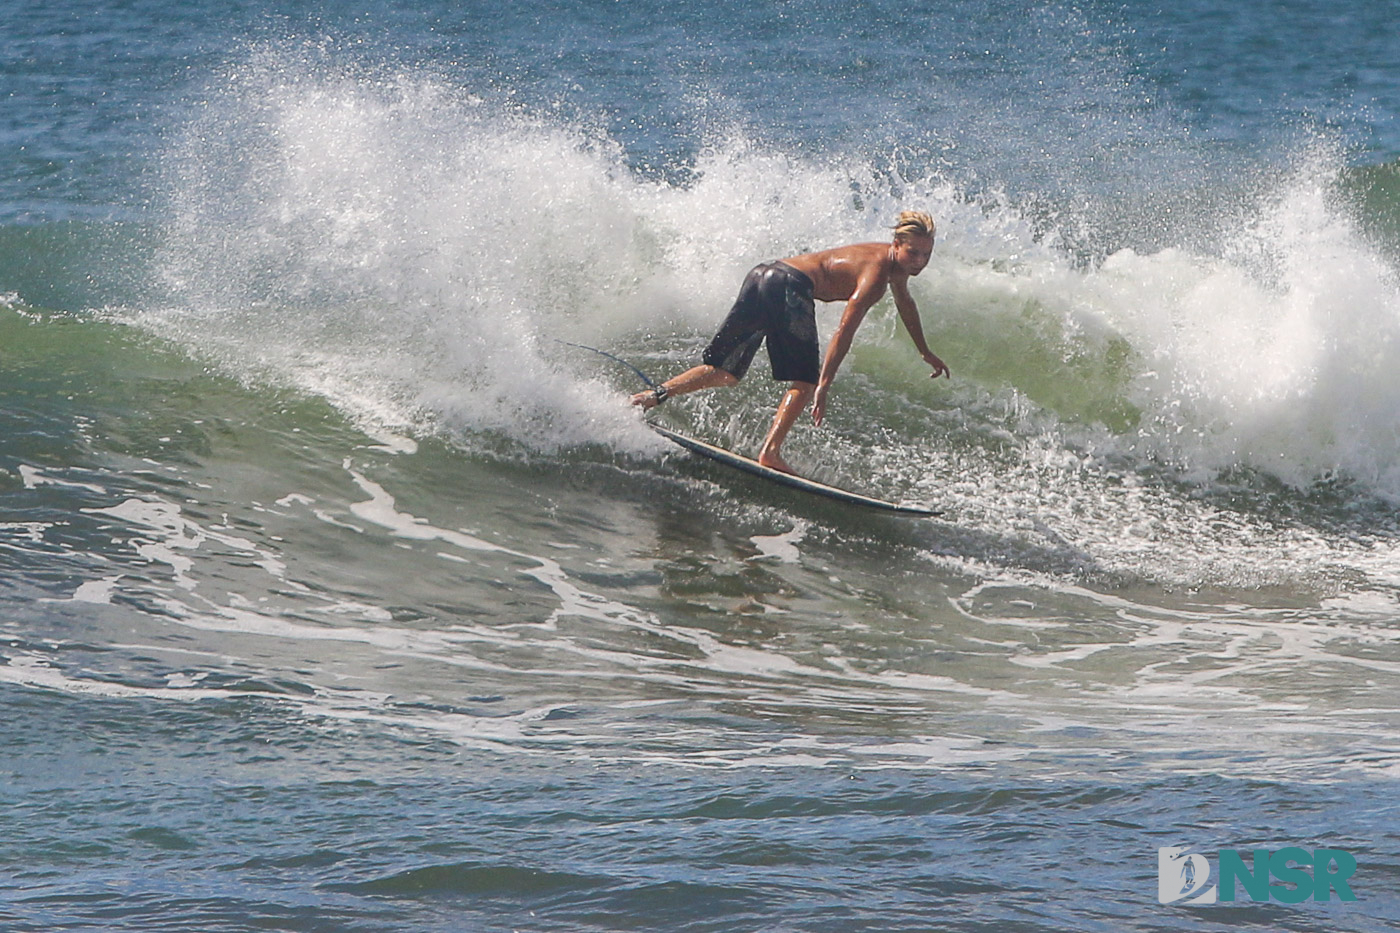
{"x":819,"y":404}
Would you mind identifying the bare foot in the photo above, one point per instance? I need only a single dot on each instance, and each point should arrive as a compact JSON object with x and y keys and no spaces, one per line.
{"x":775,"y":462}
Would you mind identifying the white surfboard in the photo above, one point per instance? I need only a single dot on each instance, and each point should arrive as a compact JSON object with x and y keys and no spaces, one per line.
{"x":729,"y":458}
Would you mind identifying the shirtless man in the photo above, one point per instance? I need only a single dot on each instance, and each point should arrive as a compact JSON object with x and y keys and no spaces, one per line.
{"x":776,"y":303}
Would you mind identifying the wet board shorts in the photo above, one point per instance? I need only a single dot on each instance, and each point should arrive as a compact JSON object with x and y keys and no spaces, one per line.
{"x":775,"y":302}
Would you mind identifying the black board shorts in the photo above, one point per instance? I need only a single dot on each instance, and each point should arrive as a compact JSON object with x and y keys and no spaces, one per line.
{"x":775,"y":302}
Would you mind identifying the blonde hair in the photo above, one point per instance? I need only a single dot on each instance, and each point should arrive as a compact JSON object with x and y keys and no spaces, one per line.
{"x":913,"y":223}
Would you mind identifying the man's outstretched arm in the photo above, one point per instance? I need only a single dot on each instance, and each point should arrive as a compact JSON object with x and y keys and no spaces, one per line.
{"x":909,"y":314}
{"x":867,"y":293}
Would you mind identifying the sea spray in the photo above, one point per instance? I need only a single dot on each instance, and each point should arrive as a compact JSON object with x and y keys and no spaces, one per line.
{"x":397,"y":248}
{"x":414,"y":252}
{"x":1278,"y":355}
{"x":408,"y":249}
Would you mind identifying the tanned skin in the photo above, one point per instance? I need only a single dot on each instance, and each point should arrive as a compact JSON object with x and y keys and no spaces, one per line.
{"x":858,"y":274}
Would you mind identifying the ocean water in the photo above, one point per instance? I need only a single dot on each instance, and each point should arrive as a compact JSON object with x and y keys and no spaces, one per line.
{"x":341,"y":592}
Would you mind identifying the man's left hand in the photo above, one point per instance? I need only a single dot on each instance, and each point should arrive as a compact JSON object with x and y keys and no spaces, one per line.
{"x":940,"y":368}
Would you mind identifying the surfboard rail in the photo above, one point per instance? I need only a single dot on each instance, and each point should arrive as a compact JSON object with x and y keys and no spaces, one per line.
{"x":747,"y":465}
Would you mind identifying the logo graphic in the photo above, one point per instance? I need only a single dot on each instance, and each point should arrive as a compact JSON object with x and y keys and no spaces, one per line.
{"x":1183,"y":876}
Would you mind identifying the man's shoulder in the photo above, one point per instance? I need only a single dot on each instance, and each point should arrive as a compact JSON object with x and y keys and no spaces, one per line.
{"x":873,"y":259}
{"x":865,"y":256}
{"x":871,"y":250}
{"x":856,"y":251}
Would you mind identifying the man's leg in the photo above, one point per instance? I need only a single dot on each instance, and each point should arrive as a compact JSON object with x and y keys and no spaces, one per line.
{"x":692,"y":380}
{"x":794,"y":403}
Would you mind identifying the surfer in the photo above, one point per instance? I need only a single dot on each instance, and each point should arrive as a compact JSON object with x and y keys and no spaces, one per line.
{"x":776,"y":302}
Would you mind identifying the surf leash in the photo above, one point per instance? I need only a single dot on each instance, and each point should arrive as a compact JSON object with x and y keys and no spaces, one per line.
{"x":661,"y":392}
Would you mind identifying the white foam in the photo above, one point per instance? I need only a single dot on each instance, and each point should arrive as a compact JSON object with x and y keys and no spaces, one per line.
{"x":34,"y":478}
{"x":32,"y":532}
{"x":30,"y":671}
{"x":783,"y":547}
{"x":171,"y":535}
{"x":98,"y":592}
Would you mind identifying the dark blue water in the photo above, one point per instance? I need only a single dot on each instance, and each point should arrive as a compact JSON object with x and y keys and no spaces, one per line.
{"x":337,"y":594}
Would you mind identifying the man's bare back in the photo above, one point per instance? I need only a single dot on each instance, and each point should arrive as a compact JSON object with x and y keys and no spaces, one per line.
{"x":836,"y":272}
